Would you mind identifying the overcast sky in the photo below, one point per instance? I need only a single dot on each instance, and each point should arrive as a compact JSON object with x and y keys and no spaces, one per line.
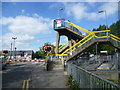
{"x":32,"y":22}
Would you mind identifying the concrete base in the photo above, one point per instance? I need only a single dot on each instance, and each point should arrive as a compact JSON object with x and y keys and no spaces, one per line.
{"x":55,"y":65}
{"x":111,"y":75}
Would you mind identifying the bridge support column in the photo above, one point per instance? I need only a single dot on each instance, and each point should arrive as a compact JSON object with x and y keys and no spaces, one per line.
{"x":118,"y":60}
{"x":57,"y":42}
{"x":70,"y":41}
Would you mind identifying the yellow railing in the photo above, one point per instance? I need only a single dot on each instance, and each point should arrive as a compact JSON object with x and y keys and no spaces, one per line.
{"x":71,"y":49}
{"x":93,"y":35}
{"x":101,"y":31}
{"x":76,"y":43}
{"x":57,"y":54}
{"x":86,"y":39}
{"x":85,"y":30}
{"x":63,"y":45}
{"x":114,"y":36}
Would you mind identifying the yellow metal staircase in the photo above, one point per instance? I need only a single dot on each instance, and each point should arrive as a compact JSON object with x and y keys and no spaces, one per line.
{"x":89,"y":40}
{"x":63,"y":47}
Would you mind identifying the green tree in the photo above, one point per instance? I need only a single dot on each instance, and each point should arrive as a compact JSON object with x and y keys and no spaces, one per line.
{"x":107,"y":47}
{"x":5,"y":56}
{"x":41,"y":54}
{"x":115,"y":28}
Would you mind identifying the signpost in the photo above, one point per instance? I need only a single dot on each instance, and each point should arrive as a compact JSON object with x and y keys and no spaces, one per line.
{"x":103,"y":52}
{"x":48,"y":48}
{"x":59,"y":23}
{"x":4,"y":51}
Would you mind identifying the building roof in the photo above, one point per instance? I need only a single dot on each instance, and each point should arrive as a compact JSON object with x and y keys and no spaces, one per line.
{"x":21,"y":52}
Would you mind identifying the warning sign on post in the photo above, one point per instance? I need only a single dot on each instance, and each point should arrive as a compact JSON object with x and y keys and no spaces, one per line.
{"x":59,"y":23}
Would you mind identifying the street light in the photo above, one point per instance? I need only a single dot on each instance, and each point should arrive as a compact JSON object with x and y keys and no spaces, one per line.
{"x":15,"y":53}
{"x":105,"y":17}
{"x":11,"y":52}
{"x":59,"y":12}
{"x":14,"y":48}
{"x":96,"y":51}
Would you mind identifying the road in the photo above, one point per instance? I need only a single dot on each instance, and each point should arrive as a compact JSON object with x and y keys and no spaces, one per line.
{"x":32,"y":75}
{"x":15,"y":75}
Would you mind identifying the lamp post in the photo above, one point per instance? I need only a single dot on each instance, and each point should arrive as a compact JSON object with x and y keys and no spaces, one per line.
{"x":59,"y":12}
{"x":96,"y":51}
{"x":105,"y":17}
{"x":14,"y":48}
{"x":15,"y":53}
{"x":11,"y":52}
{"x":119,"y":10}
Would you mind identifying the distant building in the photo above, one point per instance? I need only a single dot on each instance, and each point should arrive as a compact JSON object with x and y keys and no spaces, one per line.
{"x":20,"y":54}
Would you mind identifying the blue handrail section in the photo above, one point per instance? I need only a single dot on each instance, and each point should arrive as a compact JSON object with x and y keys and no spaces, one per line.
{"x":60,"y":24}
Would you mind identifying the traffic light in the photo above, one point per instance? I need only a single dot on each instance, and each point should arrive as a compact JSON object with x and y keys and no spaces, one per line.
{"x":4,"y":51}
{"x":47,"y":48}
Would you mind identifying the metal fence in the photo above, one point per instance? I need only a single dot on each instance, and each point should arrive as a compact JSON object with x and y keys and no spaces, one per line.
{"x":99,"y":62}
{"x":89,"y":80}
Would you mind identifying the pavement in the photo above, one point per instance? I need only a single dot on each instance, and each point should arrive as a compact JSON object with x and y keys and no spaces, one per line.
{"x":48,"y":79}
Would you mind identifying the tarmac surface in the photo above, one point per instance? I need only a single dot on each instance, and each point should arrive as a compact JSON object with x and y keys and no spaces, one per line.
{"x":14,"y":75}
{"x":32,"y":75}
{"x":48,"y":79}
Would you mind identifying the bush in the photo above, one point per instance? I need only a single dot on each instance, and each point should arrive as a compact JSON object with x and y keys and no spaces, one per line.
{"x":74,"y":85}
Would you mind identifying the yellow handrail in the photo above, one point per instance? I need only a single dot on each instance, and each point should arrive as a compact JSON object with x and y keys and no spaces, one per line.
{"x":86,"y":40}
{"x":57,"y":54}
{"x":85,"y":30}
{"x":76,"y":43}
{"x":72,"y":50}
{"x":115,"y":36}
{"x":93,"y":35}
{"x":102,"y":36}
{"x":114,"y":39}
{"x":101,"y":31}
{"x":63,"y":45}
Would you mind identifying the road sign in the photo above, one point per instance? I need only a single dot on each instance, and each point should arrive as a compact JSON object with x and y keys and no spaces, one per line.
{"x":103,"y":51}
{"x":47,"y":48}
{"x":59,"y":23}
{"x":4,"y":51}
